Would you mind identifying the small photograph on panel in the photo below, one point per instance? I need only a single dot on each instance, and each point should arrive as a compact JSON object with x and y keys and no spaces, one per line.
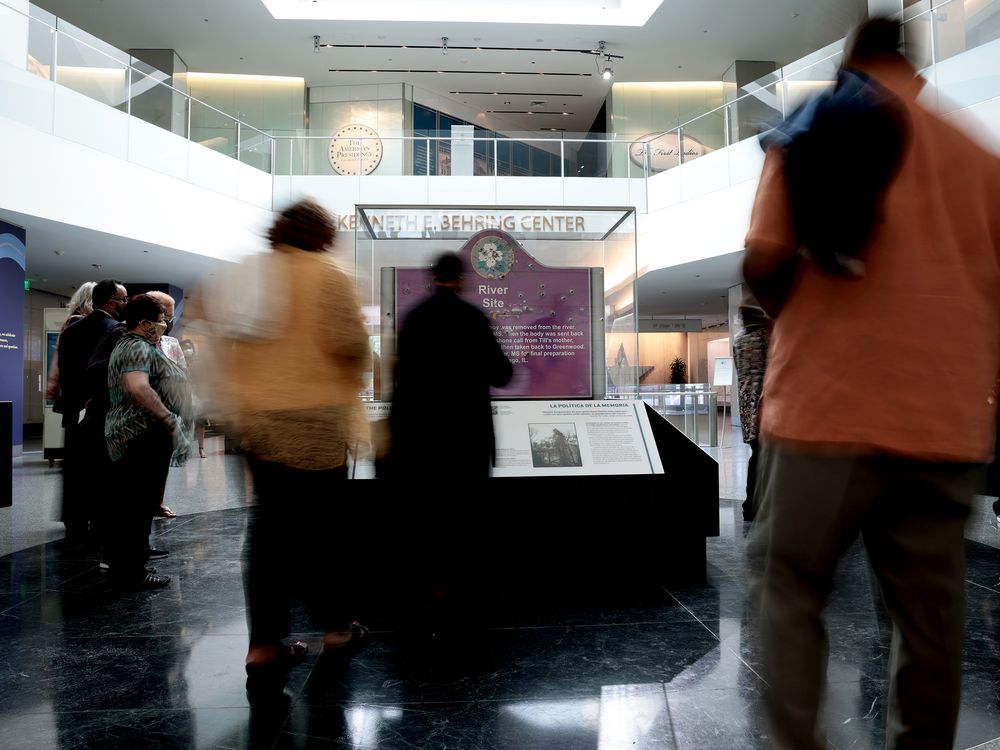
{"x":554,"y":445}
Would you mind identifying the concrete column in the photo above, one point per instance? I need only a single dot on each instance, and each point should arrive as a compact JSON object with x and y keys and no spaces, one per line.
{"x":756,"y":112}
{"x":885,"y":7}
{"x":158,"y":104}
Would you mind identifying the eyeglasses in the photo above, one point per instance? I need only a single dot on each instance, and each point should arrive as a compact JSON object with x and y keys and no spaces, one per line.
{"x":123,"y":300}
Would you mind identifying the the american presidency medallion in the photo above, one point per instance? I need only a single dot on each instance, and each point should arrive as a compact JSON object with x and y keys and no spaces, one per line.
{"x":355,"y":149}
{"x":492,"y":257}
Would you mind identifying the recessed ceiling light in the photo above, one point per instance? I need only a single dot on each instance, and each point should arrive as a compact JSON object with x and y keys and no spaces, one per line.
{"x":59,"y":252}
{"x":579,"y":12}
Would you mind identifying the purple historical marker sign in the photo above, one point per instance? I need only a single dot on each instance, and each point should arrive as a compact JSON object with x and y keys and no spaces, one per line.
{"x":540,"y":315}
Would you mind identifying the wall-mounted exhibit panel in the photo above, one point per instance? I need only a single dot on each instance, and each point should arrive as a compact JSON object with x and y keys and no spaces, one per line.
{"x":557,"y":285}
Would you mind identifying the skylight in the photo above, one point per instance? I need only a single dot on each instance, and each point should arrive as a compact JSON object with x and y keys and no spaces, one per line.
{"x":571,"y":12}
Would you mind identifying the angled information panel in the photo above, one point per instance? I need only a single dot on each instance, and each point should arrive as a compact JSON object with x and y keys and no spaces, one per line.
{"x":573,"y":438}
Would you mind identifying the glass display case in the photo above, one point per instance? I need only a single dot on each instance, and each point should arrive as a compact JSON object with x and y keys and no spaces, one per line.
{"x":557,"y":284}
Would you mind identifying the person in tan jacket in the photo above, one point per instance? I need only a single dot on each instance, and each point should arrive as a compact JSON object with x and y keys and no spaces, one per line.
{"x":288,"y":380}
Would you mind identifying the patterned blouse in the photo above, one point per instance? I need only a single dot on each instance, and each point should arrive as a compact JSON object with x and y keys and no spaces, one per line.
{"x":127,"y":419}
{"x":750,"y":353}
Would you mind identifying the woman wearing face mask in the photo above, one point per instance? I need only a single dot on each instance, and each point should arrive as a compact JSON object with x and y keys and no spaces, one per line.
{"x":149,"y":396}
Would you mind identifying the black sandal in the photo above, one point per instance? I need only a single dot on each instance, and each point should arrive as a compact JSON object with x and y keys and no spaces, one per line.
{"x":359,"y":637}
{"x":266,"y":680}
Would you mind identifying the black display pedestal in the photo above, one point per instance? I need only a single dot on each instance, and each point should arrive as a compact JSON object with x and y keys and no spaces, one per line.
{"x":526,"y":538}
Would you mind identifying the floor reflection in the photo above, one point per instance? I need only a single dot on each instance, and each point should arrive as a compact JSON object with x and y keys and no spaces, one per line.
{"x":627,"y":666}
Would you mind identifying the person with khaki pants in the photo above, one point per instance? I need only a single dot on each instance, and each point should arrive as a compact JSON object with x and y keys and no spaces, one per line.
{"x":870,"y":342}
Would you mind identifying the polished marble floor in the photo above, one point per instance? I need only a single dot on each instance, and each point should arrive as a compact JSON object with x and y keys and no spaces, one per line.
{"x":631,"y":666}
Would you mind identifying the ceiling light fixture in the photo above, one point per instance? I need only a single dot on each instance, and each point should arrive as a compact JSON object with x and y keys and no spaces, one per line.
{"x":608,"y":71}
{"x":575,"y":13}
{"x":599,"y":53}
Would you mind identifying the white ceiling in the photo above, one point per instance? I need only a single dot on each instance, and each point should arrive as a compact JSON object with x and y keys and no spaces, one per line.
{"x":61,"y":256}
{"x":684,"y":40}
{"x":699,"y":289}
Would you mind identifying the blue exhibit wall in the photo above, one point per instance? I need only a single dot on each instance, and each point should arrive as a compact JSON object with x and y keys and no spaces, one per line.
{"x":12,"y":255}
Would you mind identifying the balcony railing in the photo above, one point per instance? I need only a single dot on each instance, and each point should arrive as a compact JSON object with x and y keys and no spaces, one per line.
{"x":934,"y":31}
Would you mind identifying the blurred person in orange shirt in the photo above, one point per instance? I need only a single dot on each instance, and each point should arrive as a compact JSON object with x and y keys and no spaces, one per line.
{"x":869,"y":342}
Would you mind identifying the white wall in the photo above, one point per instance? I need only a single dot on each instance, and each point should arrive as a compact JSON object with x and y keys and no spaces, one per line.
{"x":49,"y":108}
{"x":340,"y":194}
{"x":702,"y":209}
{"x":14,"y":32}
{"x":74,"y":184}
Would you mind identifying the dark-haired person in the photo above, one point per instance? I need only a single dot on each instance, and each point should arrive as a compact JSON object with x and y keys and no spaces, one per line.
{"x":445,"y":445}
{"x":149,"y":396}
{"x":290,"y":389}
{"x":852,"y":441}
{"x":456,"y":337}
{"x":80,"y":305}
{"x":76,"y":345}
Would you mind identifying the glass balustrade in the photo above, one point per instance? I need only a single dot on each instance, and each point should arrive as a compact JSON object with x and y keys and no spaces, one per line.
{"x":91,"y":71}
{"x":935,"y":31}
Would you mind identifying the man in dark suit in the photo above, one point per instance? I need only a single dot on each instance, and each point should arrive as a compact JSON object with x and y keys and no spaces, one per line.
{"x":442,"y":435}
{"x":448,"y":357}
{"x":76,"y":345}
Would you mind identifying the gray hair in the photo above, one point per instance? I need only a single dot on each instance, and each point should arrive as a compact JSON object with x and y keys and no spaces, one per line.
{"x":83,"y":299}
{"x":163,"y":298}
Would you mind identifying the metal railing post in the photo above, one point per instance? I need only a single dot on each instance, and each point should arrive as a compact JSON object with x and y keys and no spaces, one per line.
{"x":54,"y":73}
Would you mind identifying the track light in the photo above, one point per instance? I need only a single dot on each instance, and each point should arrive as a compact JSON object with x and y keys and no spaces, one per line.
{"x":316,"y":44}
{"x":607,"y":71}
{"x":444,"y":45}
